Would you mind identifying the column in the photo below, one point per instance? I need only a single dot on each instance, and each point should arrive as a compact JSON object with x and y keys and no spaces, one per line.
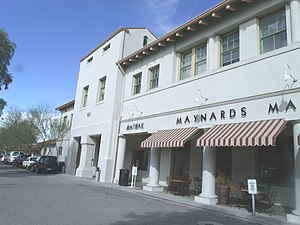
{"x":295,"y":18}
{"x":212,"y":54}
{"x":153,"y":184}
{"x":120,"y":157}
{"x":208,"y":194}
{"x":85,"y":168}
{"x":294,"y":217}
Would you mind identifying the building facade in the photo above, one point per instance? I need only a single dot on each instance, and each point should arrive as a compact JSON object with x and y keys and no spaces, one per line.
{"x":98,"y":102}
{"x":219,"y":93}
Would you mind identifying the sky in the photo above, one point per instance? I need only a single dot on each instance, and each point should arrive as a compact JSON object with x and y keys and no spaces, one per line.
{"x":53,"y":35}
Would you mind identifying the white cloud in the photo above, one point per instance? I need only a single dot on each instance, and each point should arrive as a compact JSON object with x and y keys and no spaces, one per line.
{"x":160,"y":14}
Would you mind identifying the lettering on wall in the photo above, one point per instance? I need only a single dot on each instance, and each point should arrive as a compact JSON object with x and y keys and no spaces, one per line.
{"x":213,"y":116}
{"x":135,"y":126}
{"x":283,"y":107}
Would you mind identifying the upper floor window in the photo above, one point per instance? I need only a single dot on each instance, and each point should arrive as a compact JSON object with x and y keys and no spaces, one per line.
{"x":154,"y":75}
{"x":186,"y":65}
{"x":101,"y":88}
{"x":85,"y":94}
{"x":137,"y":79}
{"x":273,"y":31}
{"x":145,"y":40}
{"x":230,"y":48}
{"x":200,"y":65}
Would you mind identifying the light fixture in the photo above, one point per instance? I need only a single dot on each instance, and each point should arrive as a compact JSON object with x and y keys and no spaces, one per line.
{"x":196,"y":99}
{"x":288,"y":75}
{"x":136,"y":109}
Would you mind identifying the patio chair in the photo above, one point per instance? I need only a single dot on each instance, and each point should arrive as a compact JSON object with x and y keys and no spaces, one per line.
{"x":266,"y":205}
{"x":198,"y":184}
{"x":235,"y":199}
{"x":171,"y":186}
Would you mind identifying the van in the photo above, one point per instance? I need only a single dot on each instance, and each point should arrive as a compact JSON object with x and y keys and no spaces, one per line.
{"x":13,"y":155}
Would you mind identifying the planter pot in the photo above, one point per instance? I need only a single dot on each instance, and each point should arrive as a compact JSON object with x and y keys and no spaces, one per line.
{"x":223,"y":195}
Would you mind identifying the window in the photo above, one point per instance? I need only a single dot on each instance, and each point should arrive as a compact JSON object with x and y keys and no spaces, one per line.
{"x":137,"y":83}
{"x":145,"y":41}
{"x":186,"y":64}
{"x":90,"y":59}
{"x":106,"y":48}
{"x":200,"y":65}
{"x":273,"y":32}
{"x":85,"y":96}
{"x":230,"y":51}
{"x":101,"y":92}
{"x":154,"y":75}
{"x":140,"y":159}
{"x":60,"y":150}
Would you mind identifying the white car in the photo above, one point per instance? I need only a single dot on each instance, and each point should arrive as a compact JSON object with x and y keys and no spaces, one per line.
{"x":28,"y":162}
{"x":13,"y":155}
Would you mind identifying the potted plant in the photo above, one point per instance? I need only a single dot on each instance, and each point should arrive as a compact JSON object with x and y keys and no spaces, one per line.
{"x":223,"y":188}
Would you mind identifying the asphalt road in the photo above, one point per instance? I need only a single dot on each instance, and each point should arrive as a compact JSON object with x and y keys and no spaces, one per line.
{"x":30,"y":199}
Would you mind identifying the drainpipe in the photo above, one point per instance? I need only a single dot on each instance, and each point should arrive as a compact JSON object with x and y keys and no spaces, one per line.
{"x":121,"y":106}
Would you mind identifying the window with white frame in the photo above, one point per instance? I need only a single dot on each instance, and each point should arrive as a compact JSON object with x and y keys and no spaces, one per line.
{"x":101,"y":89}
{"x":273,"y":31}
{"x":200,"y":65}
{"x":137,"y":79}
{"x":230,"y":48}
{"x":186,"y":65}
{"x":60,"y":149}
{"x":154,"y":76}
{"x":85,"y":94}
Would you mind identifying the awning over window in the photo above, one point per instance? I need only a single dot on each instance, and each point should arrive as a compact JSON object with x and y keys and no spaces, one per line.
{"x":169,"y":138}
{"x":257,"y":133}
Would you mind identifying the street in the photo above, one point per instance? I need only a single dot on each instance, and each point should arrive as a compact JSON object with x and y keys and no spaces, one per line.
{"x":42,"y":199}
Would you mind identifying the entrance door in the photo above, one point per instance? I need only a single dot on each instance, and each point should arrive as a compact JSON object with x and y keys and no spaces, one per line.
{"x":181,"y":163}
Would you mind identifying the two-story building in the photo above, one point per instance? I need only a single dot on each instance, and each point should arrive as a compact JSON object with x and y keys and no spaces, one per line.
{"x":219,"y":93}
{"x":98,"y":103}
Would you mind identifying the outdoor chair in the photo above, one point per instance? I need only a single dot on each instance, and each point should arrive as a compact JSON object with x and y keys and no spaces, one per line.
{"x":235,"y":199}
{"x":198,"y":185}
{"x":266,"y":205}
{"x":171,"y":186}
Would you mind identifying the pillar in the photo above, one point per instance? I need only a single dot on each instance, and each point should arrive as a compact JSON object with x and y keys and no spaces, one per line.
{"x":294,"y":217}
{"x":295,"y":18}
{"x":85,"y":168}
{"x":153,"y":184}
{"x":208,"y":194}
{"x":120,"y":157}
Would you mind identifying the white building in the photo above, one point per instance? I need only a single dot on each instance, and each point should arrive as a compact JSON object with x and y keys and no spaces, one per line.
{"x":98,"y":102}
{"x":226,"y":82}
{"x":63,"y":151}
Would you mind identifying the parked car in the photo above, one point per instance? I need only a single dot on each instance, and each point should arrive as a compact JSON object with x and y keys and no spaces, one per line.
{"x":4,"y":158}
{"x":45,"y":164}
{"x":13,"y":155}
{"x":18,"y":161}
{"x":27,"y":163}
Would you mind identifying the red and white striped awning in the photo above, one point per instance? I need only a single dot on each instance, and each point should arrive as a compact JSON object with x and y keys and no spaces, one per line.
{"x":257,"y":133}
{"x":169,"y":138}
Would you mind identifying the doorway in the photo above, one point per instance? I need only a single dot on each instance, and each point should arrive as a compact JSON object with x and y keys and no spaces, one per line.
{"x":180,"y":165}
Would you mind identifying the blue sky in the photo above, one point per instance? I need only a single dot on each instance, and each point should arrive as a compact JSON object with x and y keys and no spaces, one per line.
{"x":53,"y":35}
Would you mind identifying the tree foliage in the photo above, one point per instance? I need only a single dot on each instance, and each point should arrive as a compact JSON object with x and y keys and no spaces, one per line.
{"x":7,"y":50}
{"x":37,"y":128}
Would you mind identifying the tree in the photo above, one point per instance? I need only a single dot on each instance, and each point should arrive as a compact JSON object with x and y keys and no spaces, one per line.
{"x":38,"y":128}
{"x":7,"y":50}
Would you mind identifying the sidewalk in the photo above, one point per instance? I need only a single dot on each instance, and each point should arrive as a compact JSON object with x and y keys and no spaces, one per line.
{"x":278,"y":219}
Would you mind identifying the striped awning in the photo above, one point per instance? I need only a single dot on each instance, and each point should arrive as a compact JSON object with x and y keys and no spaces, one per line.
{"x":257,"y":133}
{"x":169,"y":138}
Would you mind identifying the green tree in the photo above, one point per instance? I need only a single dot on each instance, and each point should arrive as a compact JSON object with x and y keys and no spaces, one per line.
{"x":7,"y":50}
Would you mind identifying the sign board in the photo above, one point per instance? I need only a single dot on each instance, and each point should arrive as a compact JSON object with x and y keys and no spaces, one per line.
{"x":252,"y":186}
{"x":134,"y":170}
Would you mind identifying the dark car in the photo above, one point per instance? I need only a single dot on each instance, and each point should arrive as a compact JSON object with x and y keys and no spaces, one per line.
{"x":19,"y":159}
{"x":45,"y":164}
